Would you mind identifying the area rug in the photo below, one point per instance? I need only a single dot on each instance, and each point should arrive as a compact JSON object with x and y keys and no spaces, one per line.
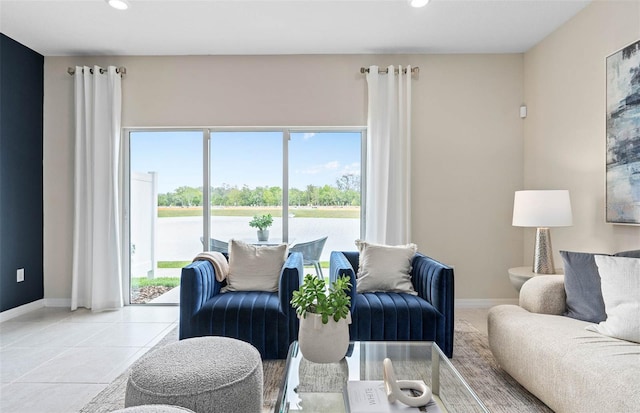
{"x":471,"y":356}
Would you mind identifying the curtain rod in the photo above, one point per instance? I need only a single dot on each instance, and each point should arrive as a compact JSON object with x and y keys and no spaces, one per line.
{"x":121,"y":70}
{"x":414,"y":70}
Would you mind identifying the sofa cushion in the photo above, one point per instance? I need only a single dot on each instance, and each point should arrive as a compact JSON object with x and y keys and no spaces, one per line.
{"x":582,"y":285}
{"x":620,"y":279}
{"x":385,"y":267}
{"x":394,"y":316}
{"x":254,"y":268}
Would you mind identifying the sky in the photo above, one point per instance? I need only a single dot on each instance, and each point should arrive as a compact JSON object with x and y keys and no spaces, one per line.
{"x":245,"y":158}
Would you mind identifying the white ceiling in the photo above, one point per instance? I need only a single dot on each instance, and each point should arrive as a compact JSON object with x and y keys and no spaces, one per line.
{"x":249,"y":27}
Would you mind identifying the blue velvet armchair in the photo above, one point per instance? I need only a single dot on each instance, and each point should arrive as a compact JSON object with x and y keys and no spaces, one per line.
{"x":389,"y":316}
{"x":264,"y":319}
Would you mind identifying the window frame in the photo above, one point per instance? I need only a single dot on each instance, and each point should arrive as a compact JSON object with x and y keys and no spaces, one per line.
{"x":286,"y":131}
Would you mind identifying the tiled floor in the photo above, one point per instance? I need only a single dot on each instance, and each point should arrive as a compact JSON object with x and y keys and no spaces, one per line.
{"x":54,"y":360}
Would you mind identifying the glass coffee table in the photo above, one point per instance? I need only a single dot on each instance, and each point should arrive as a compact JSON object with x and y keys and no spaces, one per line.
{"x":310,"y":387}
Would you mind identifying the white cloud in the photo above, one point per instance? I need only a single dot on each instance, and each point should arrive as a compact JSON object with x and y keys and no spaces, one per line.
{"x":308,"y":135}
{"x":332,"y":165}
{"x":353,"y":168}
{"x":317,"y":169}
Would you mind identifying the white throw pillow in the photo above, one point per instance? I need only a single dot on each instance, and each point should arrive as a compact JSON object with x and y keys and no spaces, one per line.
{"x":385,"y":267}
{"x":620,"y":283}
{"x":253,"y":268}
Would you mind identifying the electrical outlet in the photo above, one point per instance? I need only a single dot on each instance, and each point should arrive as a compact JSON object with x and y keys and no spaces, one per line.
{"x":20,"y":275}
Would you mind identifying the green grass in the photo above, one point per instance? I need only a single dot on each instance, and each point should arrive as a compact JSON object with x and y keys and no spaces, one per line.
{"x":173,"y":264}
{"x":162,"y":281}
{"x":249,"y":212}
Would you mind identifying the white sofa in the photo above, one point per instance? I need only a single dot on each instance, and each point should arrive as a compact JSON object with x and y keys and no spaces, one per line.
{"x":567,"y":367}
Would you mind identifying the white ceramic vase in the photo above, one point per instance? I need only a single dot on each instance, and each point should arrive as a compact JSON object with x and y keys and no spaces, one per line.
{"x":323,"y":343}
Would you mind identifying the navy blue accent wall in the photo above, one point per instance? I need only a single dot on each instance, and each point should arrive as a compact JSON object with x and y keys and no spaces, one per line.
{"x":21,"y":100}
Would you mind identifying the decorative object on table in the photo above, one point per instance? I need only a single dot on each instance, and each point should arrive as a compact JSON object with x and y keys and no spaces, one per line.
{"x":262,"y":222}
{"x":324,"y":319}
{"x":541,"y":210}
{"x":369,"y":396}
{"x":394,"y":388}
{"x":623,"y":139}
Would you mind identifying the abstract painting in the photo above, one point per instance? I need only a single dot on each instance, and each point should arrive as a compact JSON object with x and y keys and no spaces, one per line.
{"x":623,"y":136}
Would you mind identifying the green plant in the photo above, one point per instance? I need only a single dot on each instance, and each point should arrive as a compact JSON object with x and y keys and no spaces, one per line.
{"x":261,"y":222}
{"x":162,"y":281}
{"x":311,"y":298}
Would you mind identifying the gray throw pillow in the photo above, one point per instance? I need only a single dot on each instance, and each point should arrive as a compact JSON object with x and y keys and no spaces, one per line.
{"x":582,"y":285}
{"x":629,"y":254}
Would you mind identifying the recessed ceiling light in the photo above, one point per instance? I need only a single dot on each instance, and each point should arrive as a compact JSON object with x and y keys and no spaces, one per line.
{"x":119,"y":4}
{"x":418,"y":3}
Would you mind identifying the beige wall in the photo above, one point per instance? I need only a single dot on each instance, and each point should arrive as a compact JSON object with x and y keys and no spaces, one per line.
{"x":467,"y":140}
{"x":565,"y":131}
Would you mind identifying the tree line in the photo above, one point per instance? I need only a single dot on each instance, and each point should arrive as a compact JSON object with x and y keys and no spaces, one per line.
{"x":346,"y":192}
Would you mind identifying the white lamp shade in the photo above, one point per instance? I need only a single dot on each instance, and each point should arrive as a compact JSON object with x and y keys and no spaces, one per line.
{"x":542,"y":209}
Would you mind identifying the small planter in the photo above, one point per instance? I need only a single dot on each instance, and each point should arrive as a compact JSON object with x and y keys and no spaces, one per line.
{"x":323,"y":343}
{"x":263,"y":235}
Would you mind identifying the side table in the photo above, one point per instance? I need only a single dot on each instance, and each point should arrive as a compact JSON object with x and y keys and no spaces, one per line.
{"x":519,"y":275}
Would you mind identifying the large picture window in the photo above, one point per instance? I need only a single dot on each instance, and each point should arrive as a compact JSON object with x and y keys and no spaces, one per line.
{"x":308,"y":180}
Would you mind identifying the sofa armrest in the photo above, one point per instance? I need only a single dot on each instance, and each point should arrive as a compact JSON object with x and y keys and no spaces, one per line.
{"x":340,"y":266}
{"x":291,"y":277}
{"x":544,"y":294}
{"x":434,"y":282}
{"x":197,"y":285}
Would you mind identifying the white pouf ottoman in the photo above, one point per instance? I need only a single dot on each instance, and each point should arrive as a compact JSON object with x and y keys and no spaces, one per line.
{"x":204,"y":374}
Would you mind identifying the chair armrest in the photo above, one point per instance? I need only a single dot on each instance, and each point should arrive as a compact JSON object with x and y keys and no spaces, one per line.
{"x":291,"y":277}
{"x":544,"y":294}
{"x":197,"y":285}
{"x":434,"y":282}
{"x":339,"y":266}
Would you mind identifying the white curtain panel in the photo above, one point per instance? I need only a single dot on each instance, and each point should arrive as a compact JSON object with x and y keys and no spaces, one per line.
{"x":388,"y":181}
{"x":97,"y":281}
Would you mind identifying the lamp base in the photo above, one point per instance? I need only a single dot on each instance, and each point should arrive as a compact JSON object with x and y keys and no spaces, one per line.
{"x":543,"y":253}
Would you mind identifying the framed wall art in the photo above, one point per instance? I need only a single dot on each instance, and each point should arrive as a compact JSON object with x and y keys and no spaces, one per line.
{"x":623,"y":136}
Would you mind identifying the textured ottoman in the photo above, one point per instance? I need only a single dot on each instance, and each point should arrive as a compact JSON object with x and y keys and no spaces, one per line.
{"x":153,"y":408}
{"x":204,"y":374}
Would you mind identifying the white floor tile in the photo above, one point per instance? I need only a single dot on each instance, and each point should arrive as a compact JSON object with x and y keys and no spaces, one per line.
{"x":61,"y":335}
{"x":125,"y":335}
{"x":12,"y":331}
{"x":46,"y":397}
{"x":81,"y":365}
{"x":56,"y":360}
{"x":45,"y":314}
{"x":17,"y":361}
{"x":151,"y":314}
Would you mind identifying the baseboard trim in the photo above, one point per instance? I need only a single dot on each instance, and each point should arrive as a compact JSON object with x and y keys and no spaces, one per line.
{"x":57,"y":302}
{"x":23,"y":309}
{"x":484,"y":302}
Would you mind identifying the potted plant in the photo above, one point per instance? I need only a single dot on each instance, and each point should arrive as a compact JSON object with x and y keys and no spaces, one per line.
{"x":262,"y":222}
{"x":324,"y":318}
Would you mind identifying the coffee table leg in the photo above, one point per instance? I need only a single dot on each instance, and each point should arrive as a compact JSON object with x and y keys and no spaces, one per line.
{"x":435,"y":371}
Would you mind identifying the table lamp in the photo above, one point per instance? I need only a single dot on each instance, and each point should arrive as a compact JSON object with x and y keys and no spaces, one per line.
{"x":541,"y":210}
